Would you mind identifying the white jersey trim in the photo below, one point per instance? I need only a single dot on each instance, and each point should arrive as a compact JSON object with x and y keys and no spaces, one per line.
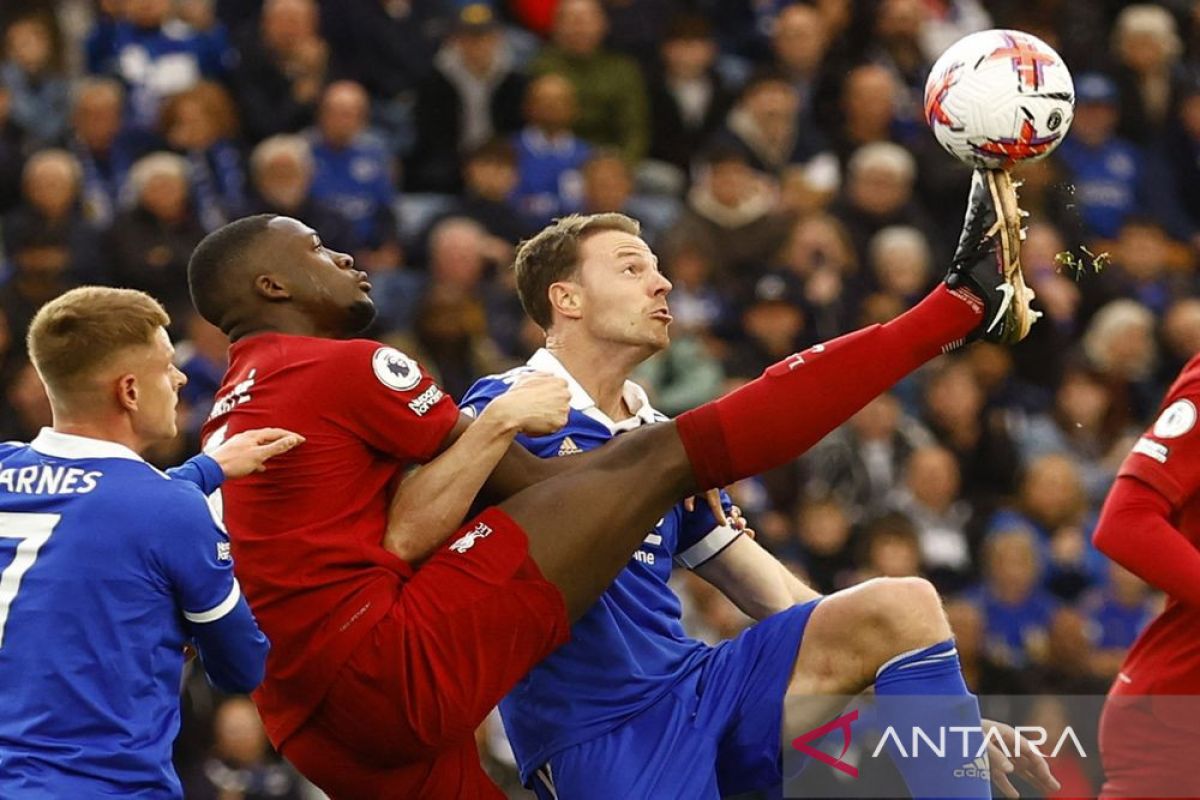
{"x":711,"y":545}
{"x":217,"y":611}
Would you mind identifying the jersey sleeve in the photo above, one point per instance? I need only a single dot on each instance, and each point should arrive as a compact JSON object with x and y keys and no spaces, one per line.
{"x":701,"y":537}
{"x":201,"y":470}
{"x":1167,"y":456}
{"x":388,"y":400}
{"x":193,"y":550}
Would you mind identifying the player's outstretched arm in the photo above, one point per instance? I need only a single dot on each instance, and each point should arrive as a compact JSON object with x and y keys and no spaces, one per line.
{"x":754,"y":580}
{"x":431,"y":503}
{"x":249,"y":451}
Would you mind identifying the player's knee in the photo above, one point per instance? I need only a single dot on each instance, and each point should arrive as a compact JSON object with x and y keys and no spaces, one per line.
{"x":898,"y":614}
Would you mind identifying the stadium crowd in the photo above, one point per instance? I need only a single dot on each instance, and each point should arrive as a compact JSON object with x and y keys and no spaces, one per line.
{"x":777,"y":156}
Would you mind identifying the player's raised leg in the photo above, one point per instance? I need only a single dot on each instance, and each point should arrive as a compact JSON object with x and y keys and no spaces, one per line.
{"x":776,"y":417}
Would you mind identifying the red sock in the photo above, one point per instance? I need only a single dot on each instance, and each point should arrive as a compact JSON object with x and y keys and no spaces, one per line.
{"x":796,"y":402}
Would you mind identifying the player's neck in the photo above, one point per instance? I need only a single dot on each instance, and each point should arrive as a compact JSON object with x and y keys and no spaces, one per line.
{"x":103,"y":430}
{"x":601,"y":371}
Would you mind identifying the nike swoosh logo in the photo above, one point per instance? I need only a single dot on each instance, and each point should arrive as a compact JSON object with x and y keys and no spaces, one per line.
{"x":1008,"y":291}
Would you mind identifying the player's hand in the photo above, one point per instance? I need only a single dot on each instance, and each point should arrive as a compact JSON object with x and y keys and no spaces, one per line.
{"x":739,"y":523}
{"x":248,"y":452}
{"x":1030,"y":764}
{"x":713,"y":496}
{"x":536,"y":405}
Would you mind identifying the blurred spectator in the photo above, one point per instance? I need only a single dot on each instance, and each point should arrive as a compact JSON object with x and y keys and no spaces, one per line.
{"x":282,"y":68}
{"x":473,"y":95}
{"x":1178,"y":160}
{"x":1181,"y":337}
{"x":32,"y":71}
{"x":463,"y":257}
{"x":696,"y":304}
{"x":388,"y":47}
{"x":1059,"y":298}
{"x":28,"y":407}
{"x":1107,"y":171}
{"x":820,"y":254}
{"x":986,"y":453}
{"x":774,"y":326}
{"x":868,"y":111}
{"x":929,"y":496}
{"x":241,"y":765}
{"x":1120,"y":344}
{"x":863,"y":461}
{"x":901,"y":263}
{"x":202,"y":357}
{"x":826,"y":550}
{"x":549,"y":155}
{"x":900,"y":50}
{"x":608,"y":185}
{"x":947,"y":21}
{"x":613,"y":109}
{"x":354,"y":176}
{"x":1052,"y":502}
{"x":688,"y":97}
{"x":40,"y":259}
{"x":1118,"y":611}
{"x":1017,"y":610}
{"x":766,"y":127}
{"x":731,"y":212}
{"x":879,"y":193}
{"x":1141,"y":270}
{"x":890,"y":548}
{"x":151,"y":242}
{"x":800,"y":45}
{"x":50,"y":211}
{"x":450,"y":331}
{"x":1147,"y":45}
{"x":11,"y":153}
{"x":281,"y":169}
{"x":685,"y":375}
{"x":490,"y":178}
{"x":154,"y":55}
{"x":201,"y":125}
{"x":1084,"y":424}
{"x":1067,"y":666}
{"x":983,"y":674}
{"x":104,"y":153}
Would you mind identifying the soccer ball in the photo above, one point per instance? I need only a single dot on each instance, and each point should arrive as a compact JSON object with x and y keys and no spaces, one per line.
{"x":999,"y":97}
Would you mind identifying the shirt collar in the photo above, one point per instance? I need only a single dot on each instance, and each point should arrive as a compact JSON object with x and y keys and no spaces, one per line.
{"x":635,"y":396}
{"x":50,"y":442}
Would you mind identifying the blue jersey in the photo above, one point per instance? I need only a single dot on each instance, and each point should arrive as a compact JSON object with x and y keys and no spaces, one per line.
{"x":630,"y":648}
{"x":107,"y":568}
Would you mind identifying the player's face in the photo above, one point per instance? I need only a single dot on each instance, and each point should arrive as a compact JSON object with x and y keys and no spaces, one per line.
{"x":157,"y":389}
{"x":623,"y":296}
{"x":323,"y":282}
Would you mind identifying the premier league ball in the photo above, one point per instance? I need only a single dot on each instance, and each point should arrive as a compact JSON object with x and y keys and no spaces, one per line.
{"x":999,"y":97}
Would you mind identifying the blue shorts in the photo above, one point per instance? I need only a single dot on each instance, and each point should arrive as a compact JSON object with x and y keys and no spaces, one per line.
{"x":716,"y":733}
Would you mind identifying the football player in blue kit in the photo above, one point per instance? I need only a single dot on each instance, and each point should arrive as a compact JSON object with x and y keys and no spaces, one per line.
{"x":108,"y":567}
{"x":631,"y":707}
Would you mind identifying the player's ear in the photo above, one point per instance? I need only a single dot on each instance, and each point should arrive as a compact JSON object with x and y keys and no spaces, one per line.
{"x":127,"y":391}
{"x":566,"y":299}
{"x":270,"y":287}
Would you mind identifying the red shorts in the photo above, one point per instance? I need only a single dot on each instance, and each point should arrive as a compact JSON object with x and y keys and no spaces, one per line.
{"x":1148,"y":746}
{"x":399,"y":719}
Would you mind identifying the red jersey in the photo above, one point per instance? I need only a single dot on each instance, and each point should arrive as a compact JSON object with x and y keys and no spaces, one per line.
{"x":307,"y":533}
{"x":1165,"y":659}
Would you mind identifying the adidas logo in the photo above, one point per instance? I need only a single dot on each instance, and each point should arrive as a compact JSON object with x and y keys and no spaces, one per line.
{"x":569,"y":448}
{"x":975,"y":769}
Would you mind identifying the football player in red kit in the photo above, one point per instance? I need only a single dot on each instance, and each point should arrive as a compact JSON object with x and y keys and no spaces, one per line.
{"x":394,"y":630}
{"x":1150,"y":524}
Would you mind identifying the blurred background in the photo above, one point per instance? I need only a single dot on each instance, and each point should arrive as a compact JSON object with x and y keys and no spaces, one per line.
{"x":778,"y":159}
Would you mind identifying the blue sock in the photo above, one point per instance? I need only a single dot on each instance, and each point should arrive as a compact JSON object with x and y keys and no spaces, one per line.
{"x":924,"y":689}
